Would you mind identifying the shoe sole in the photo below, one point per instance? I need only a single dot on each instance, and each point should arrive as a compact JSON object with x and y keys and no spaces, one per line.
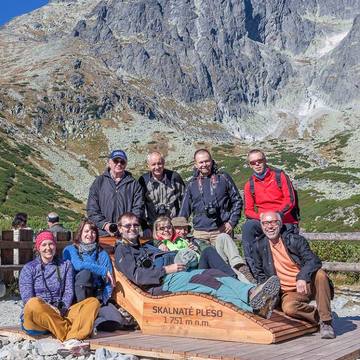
{"x":75,"y":351}
{"x":270,"y":289}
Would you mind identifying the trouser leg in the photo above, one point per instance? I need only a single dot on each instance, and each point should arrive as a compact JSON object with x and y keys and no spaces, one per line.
{"x":38,"y":315}
{"x":250,"y":231}
{"x":210,"y":259}
{"x":235,"y":292}
{"x":320,"y":291}
{"x":297,"y":306}
{"x":81,"y":317}
{"x":228,"y":250}
{"x":83,"y":285}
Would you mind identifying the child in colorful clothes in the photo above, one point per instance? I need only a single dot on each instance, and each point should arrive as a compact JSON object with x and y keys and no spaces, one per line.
{"x":94,"y":273}
{"x":47,"y":289}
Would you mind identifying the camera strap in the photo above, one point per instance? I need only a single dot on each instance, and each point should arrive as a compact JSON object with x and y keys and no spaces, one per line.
{"x":57,"y":267}
{"x":213,"y":184}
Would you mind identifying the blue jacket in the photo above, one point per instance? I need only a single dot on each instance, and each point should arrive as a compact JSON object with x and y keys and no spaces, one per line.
{"x":218,"y":188}
{"x":98,"y":263}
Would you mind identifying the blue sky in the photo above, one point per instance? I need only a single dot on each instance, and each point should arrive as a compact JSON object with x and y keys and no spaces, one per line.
{"x":11,"y":8}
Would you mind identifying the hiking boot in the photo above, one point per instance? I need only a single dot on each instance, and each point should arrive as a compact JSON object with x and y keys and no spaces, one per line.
{"x":74,"y":347}
{"x":245,"y":270}
{"x":261,"y":295}
{"x":266,"y":311}
{"x":326,"y":330}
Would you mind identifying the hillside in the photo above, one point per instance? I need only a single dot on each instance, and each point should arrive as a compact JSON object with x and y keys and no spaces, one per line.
{"x":25,"y":188}
{"x":81,"y":77}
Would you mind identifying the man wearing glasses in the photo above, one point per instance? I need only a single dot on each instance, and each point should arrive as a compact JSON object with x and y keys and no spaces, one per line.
{"x":285,"y":254}
{"x":114,"y":193}
{"x":268,"y":189}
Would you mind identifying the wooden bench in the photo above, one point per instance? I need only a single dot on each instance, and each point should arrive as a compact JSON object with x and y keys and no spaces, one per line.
{"x":196,"y":315}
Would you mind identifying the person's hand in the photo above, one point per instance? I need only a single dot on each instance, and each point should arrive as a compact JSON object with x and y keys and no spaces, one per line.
{"x":173,"y":268}
{"x":301,"y":287}
{"x":193,"y":247}
{"x":147,"y":234}
{"x":163,"y":247}
{"x":226,"y":228}
{"x":110,"y":279}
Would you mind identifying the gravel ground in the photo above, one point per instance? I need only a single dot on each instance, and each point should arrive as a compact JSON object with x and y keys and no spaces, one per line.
{"x":13,"y":348}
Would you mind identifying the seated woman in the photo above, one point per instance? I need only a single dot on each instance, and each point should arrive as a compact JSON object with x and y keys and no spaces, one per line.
{"x":137,"y":263}
{"x":93,"y":269}
{"x":47,"y":289}
{"x":164,"y":235}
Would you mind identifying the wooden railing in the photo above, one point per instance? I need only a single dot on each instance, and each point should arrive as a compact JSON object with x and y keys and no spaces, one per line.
{"x":17,"y":251}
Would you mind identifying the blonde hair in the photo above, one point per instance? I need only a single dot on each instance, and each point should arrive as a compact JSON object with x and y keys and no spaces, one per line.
{"x":161,"y":219}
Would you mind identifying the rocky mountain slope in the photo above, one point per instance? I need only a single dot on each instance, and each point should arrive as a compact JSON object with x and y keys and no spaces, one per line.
{"x":79,"y":77}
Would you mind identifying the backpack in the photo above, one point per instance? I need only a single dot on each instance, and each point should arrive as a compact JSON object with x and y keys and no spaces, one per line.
{"x":295,"y":212}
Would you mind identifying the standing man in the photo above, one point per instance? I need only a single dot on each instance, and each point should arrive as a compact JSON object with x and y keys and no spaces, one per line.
{"x":215,"y":203}
{"x":53,"y":221}
{"x":114,"y":193}
{"x":285,"y":254}
{"x":268,"y":189}
{"x":163,"y":189}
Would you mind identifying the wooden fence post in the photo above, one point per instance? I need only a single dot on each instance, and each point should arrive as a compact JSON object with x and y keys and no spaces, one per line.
{"x":7,"y":257}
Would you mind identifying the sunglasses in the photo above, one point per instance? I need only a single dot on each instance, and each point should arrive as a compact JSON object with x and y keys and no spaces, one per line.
{"x":271,"y":222}
{"x":258,"y":161}
{"x":165,"y":227}
{"x":129,"y":226}
{"x":119,"y":161}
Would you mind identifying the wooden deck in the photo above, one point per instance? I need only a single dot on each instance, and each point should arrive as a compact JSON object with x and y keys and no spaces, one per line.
{"x":309,"y":347}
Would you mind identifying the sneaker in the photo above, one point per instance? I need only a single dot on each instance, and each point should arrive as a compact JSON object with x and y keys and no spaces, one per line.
{"x":263,"y":297}
{"x":267,"y":310}
{"x":326,"y":330}
{"x":74,"y":347}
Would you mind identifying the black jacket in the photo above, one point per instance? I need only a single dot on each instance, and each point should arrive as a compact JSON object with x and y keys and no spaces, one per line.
{"x":107,"y":200}
{"x":169,"y":193}
{"x":218,"y":188}
{"x":128,"y":261}
{"x":299,"y":251}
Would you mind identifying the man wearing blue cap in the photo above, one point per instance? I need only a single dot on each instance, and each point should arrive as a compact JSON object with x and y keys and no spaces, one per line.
{"x":114,"y":193}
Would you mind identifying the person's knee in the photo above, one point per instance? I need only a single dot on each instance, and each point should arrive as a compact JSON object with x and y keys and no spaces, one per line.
{"x":83,"y":277}
{"x":251,"y":227}
{"x":92,"y":302}
{"x":33,"y":304}
{"x":321,"y":275}
{"x":290,"y":308}
{"x":223,"y":237}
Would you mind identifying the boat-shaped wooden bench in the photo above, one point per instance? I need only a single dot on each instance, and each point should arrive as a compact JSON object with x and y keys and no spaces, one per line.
{"x":202,"y":316}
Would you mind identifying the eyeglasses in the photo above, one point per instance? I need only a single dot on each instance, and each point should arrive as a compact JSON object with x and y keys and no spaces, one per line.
{"x":256,"y":162}
{"x":119,"y":161}
{"x":165,"y":227}
{"x":129,"y":226}
{"x":271,"y":222}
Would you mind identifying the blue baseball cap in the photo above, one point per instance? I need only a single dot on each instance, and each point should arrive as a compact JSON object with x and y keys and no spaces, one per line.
{"x":118,"y":154}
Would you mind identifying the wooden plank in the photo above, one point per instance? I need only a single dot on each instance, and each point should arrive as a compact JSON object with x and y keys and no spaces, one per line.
{"x":341,"y":266}
{"x":352,"y":236}
{"x":27,"y":245}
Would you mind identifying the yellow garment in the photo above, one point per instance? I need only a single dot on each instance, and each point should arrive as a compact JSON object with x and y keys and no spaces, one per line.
{"x":77,"y":324}
{"x":285,"y":267}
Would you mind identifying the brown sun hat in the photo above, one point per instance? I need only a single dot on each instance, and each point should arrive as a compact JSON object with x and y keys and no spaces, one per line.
{"x":179,"y":222}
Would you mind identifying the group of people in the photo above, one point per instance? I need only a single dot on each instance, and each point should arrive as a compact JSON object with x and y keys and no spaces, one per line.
{"x":279,"y":268}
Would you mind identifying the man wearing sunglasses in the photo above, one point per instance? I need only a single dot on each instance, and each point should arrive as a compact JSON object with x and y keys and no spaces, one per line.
{"x":285,"y":254}
{"x":268,"y":189}
{"x":114,"y":193}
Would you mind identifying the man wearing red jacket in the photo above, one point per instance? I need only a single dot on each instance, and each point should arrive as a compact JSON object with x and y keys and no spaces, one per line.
{"x":268,"y":189}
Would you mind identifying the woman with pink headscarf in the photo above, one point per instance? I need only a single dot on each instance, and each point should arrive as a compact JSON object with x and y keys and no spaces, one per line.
{"x":47,"y":289}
